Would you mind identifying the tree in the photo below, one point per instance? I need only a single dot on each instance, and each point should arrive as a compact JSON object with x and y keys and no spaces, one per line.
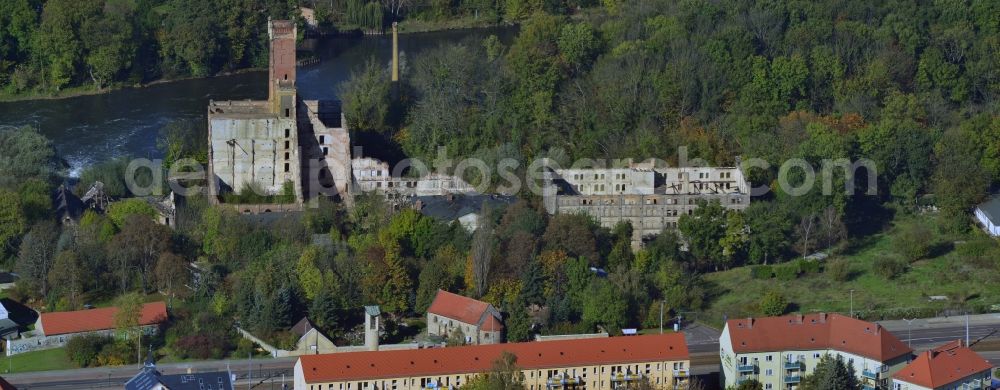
{"x":914,"y":241}
{"x":310,"y":276}
{"x":119,"y":211}
{"x":703,"y":230}
{"x":66,"y":274}
{"x":127,"y":319}
{"x":572,"y":234}
{"x":735,"y":241}
{"x":604,"y":306}
{"x":518,"y":322}
{"x":36,"y":256}
{"x":171,"y":273}
{"x":483,"y":242}
{"x":366,"y":98}
{"x":806,"y":230}
{"x":324,"y":309}
{"x":773,"y":304}
{"x":831,"y":374}
{"x":137,"y":248}
{"x":12,"y":219}
{"x":26,"y":154}
{"x":750,"y":384}
{"x":959,"y":180}
{"x":505,"y":373}
{"x":769,"y":231}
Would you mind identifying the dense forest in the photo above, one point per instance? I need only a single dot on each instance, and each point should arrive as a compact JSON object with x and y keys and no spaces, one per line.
{"x":49,"y":45}
{"x":910,"y":85}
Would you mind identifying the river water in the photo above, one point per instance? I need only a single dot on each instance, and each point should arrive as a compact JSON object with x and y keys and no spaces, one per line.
{"x":89,"y":129}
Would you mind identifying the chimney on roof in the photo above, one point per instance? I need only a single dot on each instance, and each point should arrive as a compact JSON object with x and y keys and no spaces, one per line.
{"x":822,"y":318}
{"x":749,"y":322}
{"x":878,"y":329}
{"x":799,"y":319}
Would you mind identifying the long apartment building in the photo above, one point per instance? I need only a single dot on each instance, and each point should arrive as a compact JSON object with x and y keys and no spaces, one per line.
{"x":604,"y":363}
{"x":651,"y":198}
{"x":779,"y":351}
{"x":950,"y":366}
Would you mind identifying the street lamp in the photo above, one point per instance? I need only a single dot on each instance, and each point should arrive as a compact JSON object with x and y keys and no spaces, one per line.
{"x":852,"y":303}
{"x":909,"y":331}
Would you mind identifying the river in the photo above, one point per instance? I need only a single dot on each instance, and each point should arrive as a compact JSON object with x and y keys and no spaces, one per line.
{"x":94,"y":128}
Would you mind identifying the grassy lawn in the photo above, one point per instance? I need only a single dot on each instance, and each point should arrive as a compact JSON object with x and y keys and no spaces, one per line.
{"x":50,"y":359}
{"x":968,"y":282}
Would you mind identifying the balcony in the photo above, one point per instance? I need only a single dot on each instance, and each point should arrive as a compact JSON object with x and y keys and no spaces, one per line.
{"x":680,"y":373}
{"x":867,"y":387}
{"x":620,"y":377}
{"x":745,"y":368}
{"x":793,"y":379}
{"x":793,"y":365}
{"x":563,"y":380}
{"x":869,"y":374}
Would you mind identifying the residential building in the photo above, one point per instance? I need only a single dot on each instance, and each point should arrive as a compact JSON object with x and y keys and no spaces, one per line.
{"x":779,"y":351}
{"x":650,"y":198}
{"x":950,"y":366}
{"x":149,"y":378}
{"x":53,"y":330}
{"x":599,"y":363}
{"x":988,"y":215}
{"x":479,"y":322}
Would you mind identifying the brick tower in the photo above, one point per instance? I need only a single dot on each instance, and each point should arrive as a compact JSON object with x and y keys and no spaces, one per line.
{"x":281,"y":72}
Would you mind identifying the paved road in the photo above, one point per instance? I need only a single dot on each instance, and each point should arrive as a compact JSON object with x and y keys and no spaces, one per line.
{"x":702,"y":342}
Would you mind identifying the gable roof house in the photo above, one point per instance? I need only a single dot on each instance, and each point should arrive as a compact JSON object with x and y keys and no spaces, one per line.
{"x":601,"y":363}
{"x":478,"y":321}
{"x":149,"y":378}
{"x":71,"y":323}
{"x":789,"y":347}
{"x":988,"y":215}
{"x":950,"y":366}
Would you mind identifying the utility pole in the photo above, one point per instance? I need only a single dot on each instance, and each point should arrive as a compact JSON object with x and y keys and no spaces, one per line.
{"x":250,"y":371}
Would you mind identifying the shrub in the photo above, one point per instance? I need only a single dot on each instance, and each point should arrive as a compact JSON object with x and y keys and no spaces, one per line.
{"x":773,"y":304}
{"x":84,"y":350}
{"x":808,"y":266}
{"x":838,"y":269}
{"x":786,"y":272}
{"x":761,"y":272}
{"x":888,"y":267}
{"x":914,"y":242}
{"x":201,"y":346}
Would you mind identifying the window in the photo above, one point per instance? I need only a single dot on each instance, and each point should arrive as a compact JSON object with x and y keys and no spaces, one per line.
{"x":322,"y":139}
{"x":287,"y":155}
{"x":326,"y":151}
{"x":769,"y":372}
{"x":288,"y":133}
{"x":288,"y":113}
{"x":286,"y":167}
{"x":287,"y":144}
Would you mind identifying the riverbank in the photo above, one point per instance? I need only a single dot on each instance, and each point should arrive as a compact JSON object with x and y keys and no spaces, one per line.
{"x":405,"y":27}
{"x":88,"y":90}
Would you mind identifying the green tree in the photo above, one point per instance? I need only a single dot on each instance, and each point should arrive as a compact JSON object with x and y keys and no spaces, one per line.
{"x":121,"y":210}
{"x":773,"y":304}
{"x":325,"y":309}
{"x":309,"y":274}
{"x":366,"y":98}
{"x":769,"y":231}
{"x":604,"y":306}
{"x":704,"y":230}
{"x":735,"y":241}
{"x":127,"y":320}
{"x":36,"y":255}
{"x":66,"y":275}
{"x":12,"y":220}
{"x":26,"y":154}
{"x":831,"y":374}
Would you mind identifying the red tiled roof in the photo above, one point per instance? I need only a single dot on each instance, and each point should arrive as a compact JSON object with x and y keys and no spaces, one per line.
{"x":457,"y":307}
{"x":350,"y":366}
{"x":97,"y":319}
{"x":943,"y":365}
{"x":815,"y":331}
